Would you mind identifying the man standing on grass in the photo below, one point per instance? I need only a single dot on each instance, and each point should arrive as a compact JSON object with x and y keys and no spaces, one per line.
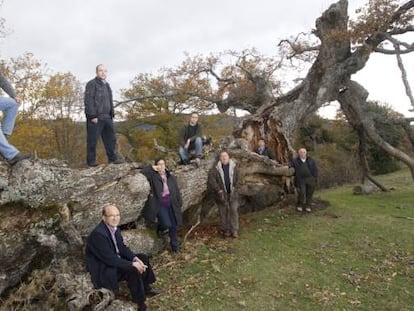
{"x":99,"y":110}
{"x":306,"y":174}
{"x":224,"y":183}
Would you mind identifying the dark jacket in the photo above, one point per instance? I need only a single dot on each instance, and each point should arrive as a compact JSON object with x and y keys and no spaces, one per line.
{"x":153,"y":203}
{"x":266,"y":152}
{"x":101,"y":258}
{"x":216,"y":184}
{"x":297,"y":162}
{"x":6,"y":86}
{"x":96,"y":94}
{"x":185,"y":134}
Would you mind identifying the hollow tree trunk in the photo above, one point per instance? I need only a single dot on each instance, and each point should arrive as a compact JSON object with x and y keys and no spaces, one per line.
{"x":276,"y":121}
{"x":329,"y":75}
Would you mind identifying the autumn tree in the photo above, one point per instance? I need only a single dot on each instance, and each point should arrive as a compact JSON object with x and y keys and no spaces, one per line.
{"x":28,"y":76}
{"x":63,"y":104}
{"x":226,"y":80}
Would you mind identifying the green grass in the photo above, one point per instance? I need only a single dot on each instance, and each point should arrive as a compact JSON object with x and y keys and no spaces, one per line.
{"x":356,"y":254}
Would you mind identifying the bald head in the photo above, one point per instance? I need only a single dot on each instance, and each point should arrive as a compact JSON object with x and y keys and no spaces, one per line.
{"x":302,"y":153}
{"x":111,"y":215}
{"x":101,"y":71}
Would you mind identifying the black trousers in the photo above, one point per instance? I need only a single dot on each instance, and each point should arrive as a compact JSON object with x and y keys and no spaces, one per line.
{"x":105,"y":129}
{"x":305,"y":191}
{"x":138,"y":283}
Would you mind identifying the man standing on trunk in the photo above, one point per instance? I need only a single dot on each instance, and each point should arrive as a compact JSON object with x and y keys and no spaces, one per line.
{"x":9,"y":107}
{"x":99,"y":110}
{"x":306,"y":174}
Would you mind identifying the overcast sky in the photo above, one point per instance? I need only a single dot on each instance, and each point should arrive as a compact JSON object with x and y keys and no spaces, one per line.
{"x":136,"y":36}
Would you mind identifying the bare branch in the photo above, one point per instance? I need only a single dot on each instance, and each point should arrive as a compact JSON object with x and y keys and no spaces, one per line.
{"x":218,"y":78}
{"x":298,"y":46}
{"x":403,"y":71}
{"x":401,"y":31}
{"x":140,"y":98}
{"x":392,"y":52}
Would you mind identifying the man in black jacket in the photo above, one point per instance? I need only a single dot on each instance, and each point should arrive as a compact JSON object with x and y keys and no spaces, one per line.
{"x":306,"y":174}
{"x":99,"y":110}
{"x":191,"y":139}
{"x":110,"y":261}
{"x":164,"y":201}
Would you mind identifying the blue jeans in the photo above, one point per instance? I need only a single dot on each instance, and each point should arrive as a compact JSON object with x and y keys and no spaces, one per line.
{"x":166,"y":220}
{"x":197,"y":145}
{"x":9,"y":108}
{"x":105,"y":129}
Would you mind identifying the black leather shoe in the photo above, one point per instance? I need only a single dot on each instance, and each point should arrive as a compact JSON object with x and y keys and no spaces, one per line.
{"x":153,"y":292}
{"x":117,"y":161}
{"x":19,"y":157}
{"x":143,"y":307}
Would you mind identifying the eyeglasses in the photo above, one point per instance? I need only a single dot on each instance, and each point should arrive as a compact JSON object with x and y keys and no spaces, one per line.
{"x":113,"y":216}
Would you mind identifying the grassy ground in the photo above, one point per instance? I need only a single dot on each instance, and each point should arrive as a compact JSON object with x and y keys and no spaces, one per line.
{"x":356,"y":254}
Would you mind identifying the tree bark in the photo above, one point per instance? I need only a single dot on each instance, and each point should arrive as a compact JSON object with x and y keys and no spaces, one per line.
{"x":363,"y":159}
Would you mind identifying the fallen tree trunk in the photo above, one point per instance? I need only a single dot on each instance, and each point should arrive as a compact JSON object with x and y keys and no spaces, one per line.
{"x":48,"y":208}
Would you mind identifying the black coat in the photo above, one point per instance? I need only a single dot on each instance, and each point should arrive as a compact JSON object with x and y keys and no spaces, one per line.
{"x":102,"y":260}
{"x":95,"y":96}
{"x":185,"y":134}
{"x":312,"y":168}
{"x":153,"y":203}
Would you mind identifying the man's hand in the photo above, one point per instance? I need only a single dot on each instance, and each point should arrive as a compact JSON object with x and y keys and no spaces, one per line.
{"x":139,"y":265}
{"x":94,"y":120}
{"x":187,"y":144}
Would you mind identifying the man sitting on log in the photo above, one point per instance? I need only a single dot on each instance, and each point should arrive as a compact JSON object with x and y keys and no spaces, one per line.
{"x":191,"y":139}
{"x":110,"y":261}
{"x":264,"y":150}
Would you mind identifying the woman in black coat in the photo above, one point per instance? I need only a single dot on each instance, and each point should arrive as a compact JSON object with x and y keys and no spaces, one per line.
{"x":164,"y":201}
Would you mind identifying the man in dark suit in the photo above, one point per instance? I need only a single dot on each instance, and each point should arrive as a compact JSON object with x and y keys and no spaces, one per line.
{"x":110,"y":261}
